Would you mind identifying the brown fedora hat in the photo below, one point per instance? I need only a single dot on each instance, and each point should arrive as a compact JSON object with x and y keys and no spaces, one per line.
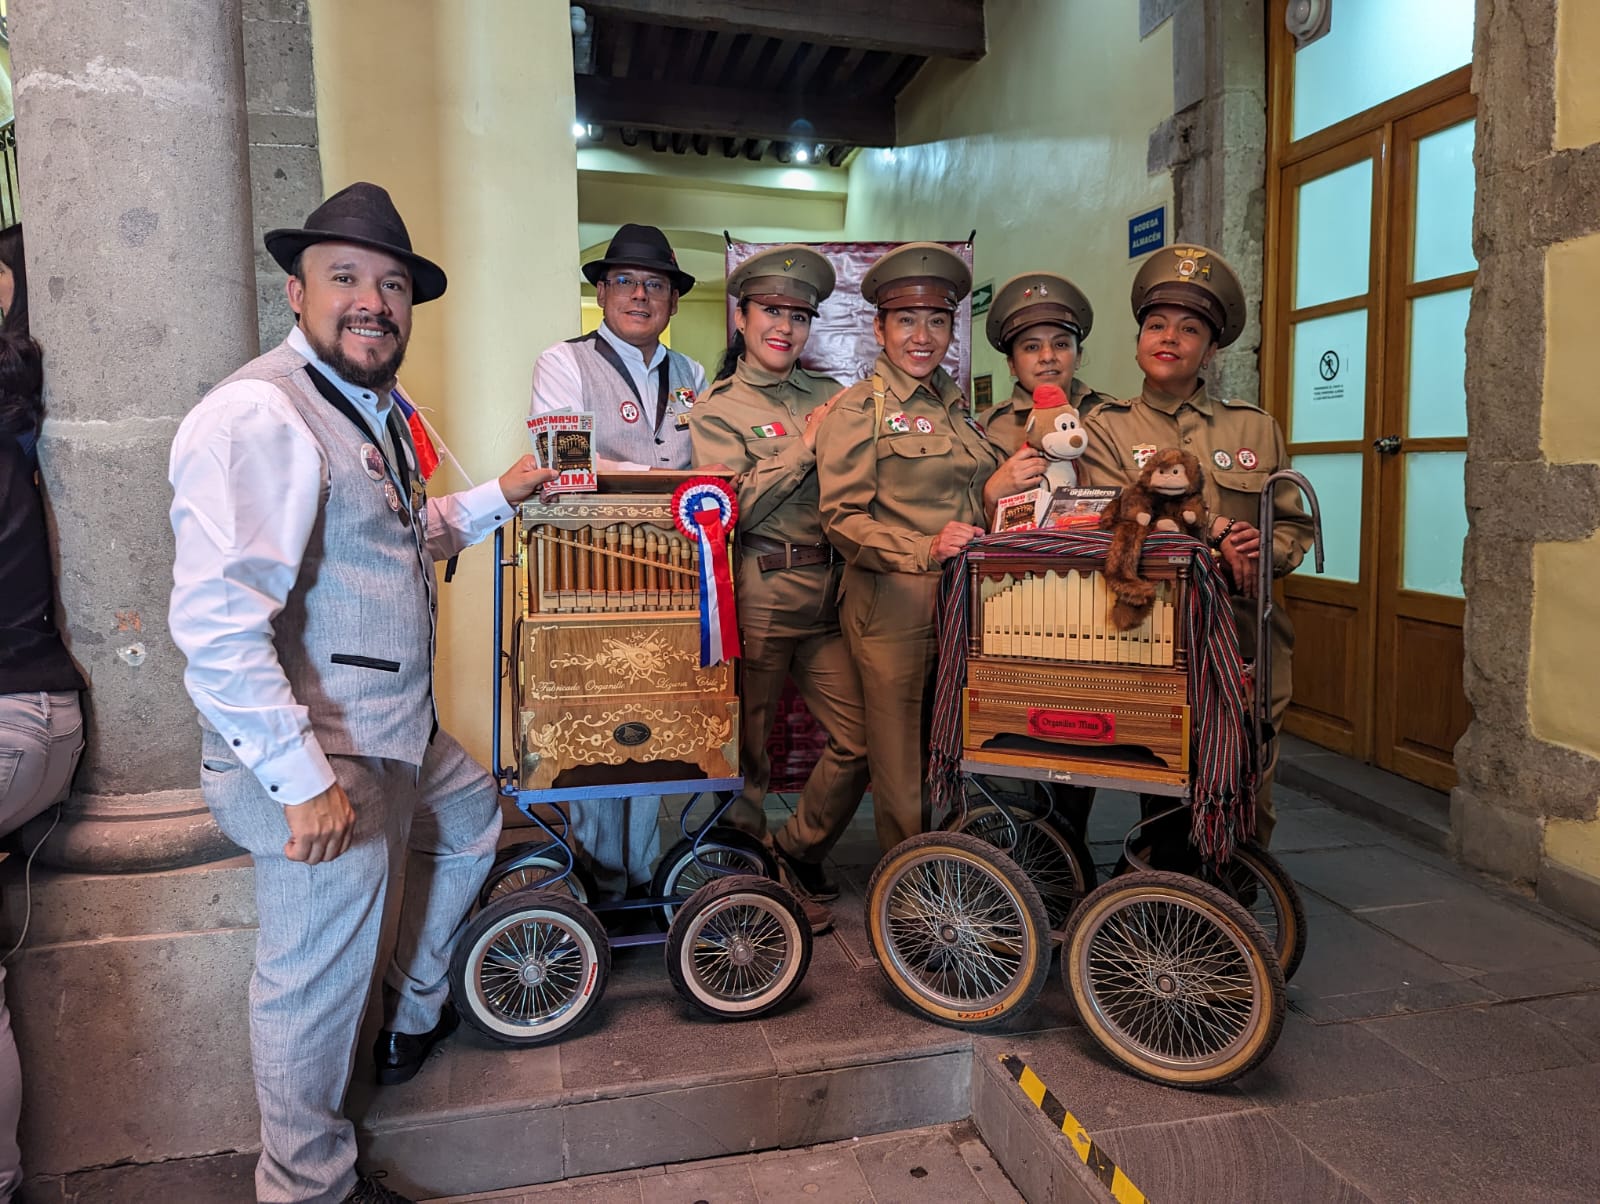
{"x":362,"y":214}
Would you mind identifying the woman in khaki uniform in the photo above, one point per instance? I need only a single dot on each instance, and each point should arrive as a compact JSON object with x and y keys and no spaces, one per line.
{"x":907,"y":475}
{"x":1189,"y":304}
{"x":760,"y":418}
{"x":1038,"y":322}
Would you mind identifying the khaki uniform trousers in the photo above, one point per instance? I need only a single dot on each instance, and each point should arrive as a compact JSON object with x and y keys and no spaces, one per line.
{"x":889,"y":620}
{"x":789,"y":627}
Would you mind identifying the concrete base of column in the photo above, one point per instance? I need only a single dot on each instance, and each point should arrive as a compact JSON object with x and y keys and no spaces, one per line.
{"x":129,"y":833}
{"x":129,"y":1007}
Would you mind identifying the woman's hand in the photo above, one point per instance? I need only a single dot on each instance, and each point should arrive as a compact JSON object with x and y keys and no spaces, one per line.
{"x":1023,"y":471}
{"x":808,"y":434}
{"x":952,"y":539}
{"x":1241,"y":552}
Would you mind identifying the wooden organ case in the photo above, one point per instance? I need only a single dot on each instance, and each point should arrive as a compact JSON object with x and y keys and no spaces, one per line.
{"x":610,"y":689}
{"x":1051,"y":682}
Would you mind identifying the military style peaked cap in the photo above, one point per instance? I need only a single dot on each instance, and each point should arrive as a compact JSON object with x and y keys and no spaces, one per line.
{"x":918,"y":275}
{"x":1034,"y":298}
{"x":788,"y":275}
{"x":1198,"y":279}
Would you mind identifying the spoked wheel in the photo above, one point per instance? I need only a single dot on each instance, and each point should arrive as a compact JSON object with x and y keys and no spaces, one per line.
{"x":1054,"y":857}
{"x":1256,"y":880}
{"x":1174,"y":979}
{"x":530,"y":967}
{"x":738,"y":946}
{"x":532,"y":864}
{"x":723,"y":851}
{"x":958,"y":929}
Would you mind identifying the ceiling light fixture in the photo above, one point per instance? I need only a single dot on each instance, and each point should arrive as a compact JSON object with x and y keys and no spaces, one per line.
{"x":802,"y":155}
{"x":579,"y":130}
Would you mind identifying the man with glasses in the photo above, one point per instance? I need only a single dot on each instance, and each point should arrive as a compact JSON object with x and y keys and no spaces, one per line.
{"x":640,"y":394}
{"x":639,"y":391}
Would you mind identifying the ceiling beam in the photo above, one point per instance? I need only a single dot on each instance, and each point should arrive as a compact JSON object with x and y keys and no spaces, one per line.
{"x":731,"y":112}
{"x":946,"y":28}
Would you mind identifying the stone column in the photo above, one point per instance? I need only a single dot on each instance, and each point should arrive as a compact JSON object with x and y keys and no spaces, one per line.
{"x":135,"y":192}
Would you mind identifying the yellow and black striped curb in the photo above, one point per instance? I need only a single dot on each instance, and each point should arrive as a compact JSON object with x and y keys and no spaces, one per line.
{"x":1092,"y":1156}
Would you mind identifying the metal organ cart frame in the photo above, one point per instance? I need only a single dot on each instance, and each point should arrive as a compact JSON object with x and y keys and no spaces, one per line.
{"x":535,"y":959}
{"x":1178,"y":976}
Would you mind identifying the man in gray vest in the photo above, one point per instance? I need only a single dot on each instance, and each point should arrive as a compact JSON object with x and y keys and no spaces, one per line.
{"x":304,"y":599}
{"x":640,"y":393}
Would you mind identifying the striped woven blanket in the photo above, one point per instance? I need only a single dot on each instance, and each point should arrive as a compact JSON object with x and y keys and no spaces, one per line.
{"x":1222,"y":759}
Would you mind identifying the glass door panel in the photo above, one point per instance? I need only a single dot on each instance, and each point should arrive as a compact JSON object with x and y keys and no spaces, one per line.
{"x":1435,"y":522}
{"x":1337,"y":480}
{"x":1436,"y":386}
{"x":1328,"y":378}
{"x":1445,"y":187}
{"x":1333,"y":236}
{"x":1374,"y":50}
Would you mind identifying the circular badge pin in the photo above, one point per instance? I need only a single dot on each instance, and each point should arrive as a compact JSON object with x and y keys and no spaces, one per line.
{"x":1247,"y":458}
{"x":392,"y":496}
{"x":924,"y":427}
{"x":372,"y":461}
{"x":630,"y":411}
{"x":1221,"y":459}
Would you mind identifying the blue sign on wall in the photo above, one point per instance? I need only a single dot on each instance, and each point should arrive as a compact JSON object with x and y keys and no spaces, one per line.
{"x":1147,"y":232}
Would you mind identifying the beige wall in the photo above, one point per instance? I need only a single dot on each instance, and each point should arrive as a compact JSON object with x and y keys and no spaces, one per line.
{"x":1041,"y":147}
{"x":473,"y":139}
{"x":1566,"y":574}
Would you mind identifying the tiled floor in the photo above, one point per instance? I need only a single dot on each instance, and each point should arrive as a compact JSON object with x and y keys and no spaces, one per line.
{"x":948,"y":1164}
{"x":1443,"y":1044}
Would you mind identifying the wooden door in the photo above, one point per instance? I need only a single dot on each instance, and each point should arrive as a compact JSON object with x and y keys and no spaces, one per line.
{"x":1369,"y":273}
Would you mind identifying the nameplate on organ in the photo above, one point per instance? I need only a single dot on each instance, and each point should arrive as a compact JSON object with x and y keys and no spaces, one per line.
{"x":1052,"y":683}
{"x":610,"y":688}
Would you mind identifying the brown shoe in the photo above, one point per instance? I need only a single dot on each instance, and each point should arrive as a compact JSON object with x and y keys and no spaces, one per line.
{"x":818,"y":915}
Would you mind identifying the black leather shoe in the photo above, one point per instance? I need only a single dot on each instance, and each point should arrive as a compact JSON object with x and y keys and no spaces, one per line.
{"x":399,"y":1056}
{"x":369,"y":1191}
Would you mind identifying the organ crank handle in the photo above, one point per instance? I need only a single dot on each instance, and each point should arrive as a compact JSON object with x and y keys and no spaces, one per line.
{"x":1261,"y":711}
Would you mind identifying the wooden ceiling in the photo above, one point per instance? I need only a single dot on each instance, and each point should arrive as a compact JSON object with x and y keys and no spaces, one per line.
{"x":797,"y":80}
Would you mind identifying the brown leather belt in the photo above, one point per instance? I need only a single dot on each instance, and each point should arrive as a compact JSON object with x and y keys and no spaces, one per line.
{"x":776,"y":554}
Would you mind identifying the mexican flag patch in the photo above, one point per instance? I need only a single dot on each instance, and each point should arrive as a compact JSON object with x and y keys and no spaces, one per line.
{"x":773,"y":430}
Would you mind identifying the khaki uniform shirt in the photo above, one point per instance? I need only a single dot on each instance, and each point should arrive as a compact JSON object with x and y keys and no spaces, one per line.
{"x":889,"y":487}
{"x":1238,"y":446}
{"x":751,"y":422}
{"x":1007,"y":423}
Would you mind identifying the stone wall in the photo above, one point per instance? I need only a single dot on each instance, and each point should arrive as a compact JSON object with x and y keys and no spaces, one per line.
{"x":285,"y":170}
{"x":1215,"y":146}
{"x":1529,"y":766}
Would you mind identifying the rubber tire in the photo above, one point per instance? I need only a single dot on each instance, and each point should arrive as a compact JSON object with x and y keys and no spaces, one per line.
{"x":1288,"y":910}
{"x":1269,"y":997}
{"x":546,"y":908}
{"x":1063,"y":843}
{"x":514,"y":860}
{"x":754,"y":856}
{"x":985,"y":858}
{"x":720,"y":895}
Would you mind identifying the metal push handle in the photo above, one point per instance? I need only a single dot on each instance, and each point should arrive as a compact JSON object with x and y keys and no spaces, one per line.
{"x":1261,"y":715}
{"x":502,"y":773}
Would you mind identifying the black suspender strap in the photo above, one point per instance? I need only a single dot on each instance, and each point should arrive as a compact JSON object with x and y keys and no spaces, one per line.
{"x":401,"y":469}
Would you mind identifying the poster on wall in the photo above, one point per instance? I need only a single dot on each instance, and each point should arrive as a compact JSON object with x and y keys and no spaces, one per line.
{"x":842,"y":344}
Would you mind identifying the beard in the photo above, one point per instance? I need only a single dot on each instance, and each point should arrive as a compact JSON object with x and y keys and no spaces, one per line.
{"x":365,"y":375}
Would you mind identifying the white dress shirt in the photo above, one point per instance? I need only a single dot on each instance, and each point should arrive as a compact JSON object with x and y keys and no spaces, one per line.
{"x":248,"y":478}
{"x":557,"y":385}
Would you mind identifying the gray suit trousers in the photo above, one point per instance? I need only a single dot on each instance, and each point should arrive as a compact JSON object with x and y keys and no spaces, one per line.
{"x":318,"y":949}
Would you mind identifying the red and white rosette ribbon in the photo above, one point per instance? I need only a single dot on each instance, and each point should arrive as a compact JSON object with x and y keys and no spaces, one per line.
{"x":704,"y":509}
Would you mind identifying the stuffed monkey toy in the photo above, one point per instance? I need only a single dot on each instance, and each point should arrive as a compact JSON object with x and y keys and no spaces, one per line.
{"x":1054,"y":428}
{"x":1166,"y":497}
